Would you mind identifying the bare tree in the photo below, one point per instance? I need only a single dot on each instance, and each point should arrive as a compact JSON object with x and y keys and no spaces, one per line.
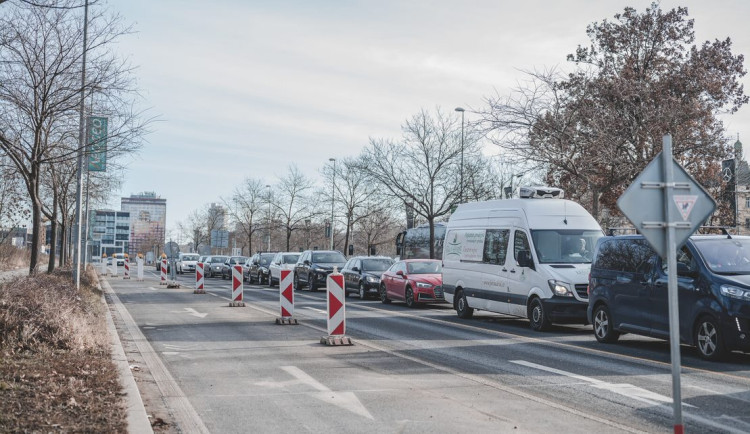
{"x":293,"y":204}
{"x":194,"y":228}
{"x":41,"y":51}
{"x":424,"y":168}
{"x":245,"y":208}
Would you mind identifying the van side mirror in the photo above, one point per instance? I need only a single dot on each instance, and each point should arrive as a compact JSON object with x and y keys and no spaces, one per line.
{"x":306,"y":262}
{"x":355,"y":269}
{"x":524,"y":259}
{"x":685,"y":271}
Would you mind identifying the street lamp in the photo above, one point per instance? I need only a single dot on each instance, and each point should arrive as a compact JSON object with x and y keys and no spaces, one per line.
{"x":461,"y":190}
{"x":269,"y":217}
{"x":333,"y":190}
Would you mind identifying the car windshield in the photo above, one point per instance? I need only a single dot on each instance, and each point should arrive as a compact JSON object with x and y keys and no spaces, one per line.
{"x":238,"y":259}
{"x":218,"y":259}
{"x":328,"y":258}
{"x":376,"y":264}
{"x":290,"y":259}
{"x":725,"y":255}
{"x":564,"y":246}
{"x":189,"y":258}
{"x":427,"y":267}
{"x":266,"y":258}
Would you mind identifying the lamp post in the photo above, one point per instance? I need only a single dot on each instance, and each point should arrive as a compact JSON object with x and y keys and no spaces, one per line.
{"x":269,"y":217}
{"x":461,"y":190}
{"x":333,"y":192}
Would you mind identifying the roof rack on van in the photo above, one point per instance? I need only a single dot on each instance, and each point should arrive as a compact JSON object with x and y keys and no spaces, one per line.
{"x":540,"y":192}
{"x":724,"y":230}
{"x":612,"y":231}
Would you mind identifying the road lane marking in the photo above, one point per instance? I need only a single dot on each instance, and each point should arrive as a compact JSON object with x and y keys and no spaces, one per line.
{"x":346,"y":400}
{"x":316,"y":310}
{"x":627,"y":390}
{"x":191,"y":311}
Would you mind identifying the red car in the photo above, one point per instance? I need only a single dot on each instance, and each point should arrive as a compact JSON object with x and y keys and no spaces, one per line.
{"x":413,"y":281}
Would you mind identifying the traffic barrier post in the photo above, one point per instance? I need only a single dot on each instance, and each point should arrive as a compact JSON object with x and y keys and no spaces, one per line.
{"x":139,"y":262}
{"x":163,"y":280}
{"x":104,"y":264}
{"x":286,"y":299}
{"x":126,"y":271}
{"x":114,"y":266}
{"x":199,"y":279}
{"x":237,"y":287}
{"x":335,"y":296}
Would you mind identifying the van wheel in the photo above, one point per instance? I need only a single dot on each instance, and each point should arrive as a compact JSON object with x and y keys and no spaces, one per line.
{"x":384,"y":295}
{"x":603,"y":325}
{"x":462,"y":306}
{"x":708,"y":339}
{"x":537,"y":317}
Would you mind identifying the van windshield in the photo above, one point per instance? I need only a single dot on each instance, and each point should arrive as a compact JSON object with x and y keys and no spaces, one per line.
{"x":724,"y":255}
{"x":564,"y":246}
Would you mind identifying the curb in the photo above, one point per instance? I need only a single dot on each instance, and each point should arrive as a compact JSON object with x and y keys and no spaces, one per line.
{"x":137,"y":418}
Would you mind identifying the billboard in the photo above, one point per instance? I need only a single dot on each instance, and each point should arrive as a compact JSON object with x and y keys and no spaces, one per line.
{"x":96,"y":143}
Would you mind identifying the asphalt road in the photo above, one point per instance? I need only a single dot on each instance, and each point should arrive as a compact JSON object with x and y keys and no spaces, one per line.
{"x":232,"y":369}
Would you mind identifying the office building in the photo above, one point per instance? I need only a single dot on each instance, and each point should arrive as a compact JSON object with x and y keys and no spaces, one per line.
{"x":148,"y":223}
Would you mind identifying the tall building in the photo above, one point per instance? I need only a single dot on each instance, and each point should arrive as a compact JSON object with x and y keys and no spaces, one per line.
{"x":148,"y":222}
{"x":109,"y":232}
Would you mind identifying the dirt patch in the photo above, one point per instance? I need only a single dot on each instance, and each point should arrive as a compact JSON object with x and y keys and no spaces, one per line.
{"x":56,"y":372}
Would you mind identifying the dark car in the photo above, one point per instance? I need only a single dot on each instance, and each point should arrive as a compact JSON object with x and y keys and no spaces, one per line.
{"x":362,"y":274}
{"x":214,"y":264}
{"x":628,"y":292}
{"x":314,"y":266}
{"x":226,"y":270}
{"x":257,"y":267}
{"x":415,"y":281}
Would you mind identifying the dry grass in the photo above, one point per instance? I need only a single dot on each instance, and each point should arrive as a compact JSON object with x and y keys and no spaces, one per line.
{"x":13,"y":257}
{"x":56,"y":372}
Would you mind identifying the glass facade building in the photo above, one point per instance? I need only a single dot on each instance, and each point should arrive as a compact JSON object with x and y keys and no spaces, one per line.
{"x":148,"y":221}
{"x":109,"y":232}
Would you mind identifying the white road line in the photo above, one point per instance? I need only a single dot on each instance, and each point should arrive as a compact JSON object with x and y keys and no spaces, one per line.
{"x":345,"y":400}
{"x":316,"y":310}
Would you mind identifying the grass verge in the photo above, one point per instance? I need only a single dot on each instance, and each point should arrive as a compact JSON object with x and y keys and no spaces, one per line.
{"x":56,"y":372}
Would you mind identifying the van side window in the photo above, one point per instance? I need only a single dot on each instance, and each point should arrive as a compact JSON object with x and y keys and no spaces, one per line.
{"x":495,"y":246}
{"x":520,"y":242}
{"x":683,"y":256}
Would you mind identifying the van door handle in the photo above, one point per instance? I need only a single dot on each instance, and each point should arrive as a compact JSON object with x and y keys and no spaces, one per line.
{"x":513,"y":270}
{"x":504,"y":270}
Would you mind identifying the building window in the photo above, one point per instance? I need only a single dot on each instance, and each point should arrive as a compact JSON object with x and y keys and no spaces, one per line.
{"x":747,"y":223}
{"x":747,"y":202}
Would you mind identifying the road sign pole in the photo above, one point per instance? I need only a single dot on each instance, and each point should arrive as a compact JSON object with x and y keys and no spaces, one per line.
{"x":674,"y":311}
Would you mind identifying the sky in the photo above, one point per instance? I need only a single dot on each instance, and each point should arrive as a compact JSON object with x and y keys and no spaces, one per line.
{"x":244,"y":88}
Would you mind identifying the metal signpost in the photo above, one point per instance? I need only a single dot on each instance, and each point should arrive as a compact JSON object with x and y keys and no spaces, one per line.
{"x":665,"y":182}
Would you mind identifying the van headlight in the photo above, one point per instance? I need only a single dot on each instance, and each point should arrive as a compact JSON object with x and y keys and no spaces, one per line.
{"x":735,"y":292}
{"x":561,"y":289}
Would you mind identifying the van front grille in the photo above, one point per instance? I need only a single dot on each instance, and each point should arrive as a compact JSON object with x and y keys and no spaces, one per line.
{"x":582,"y":290}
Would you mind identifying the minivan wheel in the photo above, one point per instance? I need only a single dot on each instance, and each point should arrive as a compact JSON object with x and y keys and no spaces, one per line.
{"x":537,"y":317}
{"x":384,"y":295}
{"x":708,"y":339}
{"x":603,"y":324}
{"x":462,"y":306}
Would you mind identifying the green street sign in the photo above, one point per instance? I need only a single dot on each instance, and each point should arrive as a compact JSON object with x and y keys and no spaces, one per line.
{"x":96,"y":143}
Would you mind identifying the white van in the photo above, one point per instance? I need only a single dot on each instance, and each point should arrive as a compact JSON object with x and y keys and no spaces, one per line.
{"x":521,"y":257}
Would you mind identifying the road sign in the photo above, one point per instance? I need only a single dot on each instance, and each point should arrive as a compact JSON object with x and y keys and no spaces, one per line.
{"x":662,"y":193}
{"x":219,"y":238}
{"x":643,"y":204}
{"x":172,"y":249}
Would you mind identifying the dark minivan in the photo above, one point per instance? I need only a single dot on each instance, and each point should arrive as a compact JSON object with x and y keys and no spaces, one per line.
{"x":628,"y":292}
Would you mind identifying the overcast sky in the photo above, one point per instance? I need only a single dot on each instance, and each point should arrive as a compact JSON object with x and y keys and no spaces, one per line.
{"x":244,"y":88}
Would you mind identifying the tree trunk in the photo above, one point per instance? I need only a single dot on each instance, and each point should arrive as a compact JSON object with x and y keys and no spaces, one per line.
{"x":52,"y":245}
{"x":431,"y":220}
{"x":348,"y":231}
{"x":36,"y":225}
{"x":289,"y":236}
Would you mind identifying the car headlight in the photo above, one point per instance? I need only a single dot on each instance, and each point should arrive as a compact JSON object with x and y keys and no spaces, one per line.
{"x":735,"y":292}
{"x":373,"y":279}
{"x":560,"y":289}
{"x":423,"y":285}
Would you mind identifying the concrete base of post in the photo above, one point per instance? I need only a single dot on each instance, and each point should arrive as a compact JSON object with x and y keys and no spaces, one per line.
{"x":199,"y":291}
{"x":162,"y":283}
{"x":236,"y":304}
{"x":336,"y":340}
{"x":173,"y":285}
{"x":286,"y":321}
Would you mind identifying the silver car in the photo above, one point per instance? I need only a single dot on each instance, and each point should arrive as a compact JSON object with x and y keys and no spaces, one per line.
{"x":282,"y":261}
{"x":214,"y":264}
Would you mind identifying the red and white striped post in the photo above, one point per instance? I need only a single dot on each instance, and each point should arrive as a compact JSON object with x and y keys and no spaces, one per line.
{"x":286,"y":299}
{"x":199,"y":279}
{"x":163,"y":280}
{"x":336,"y":310}
{"x":237,"y":287}
{"x":127,"y":269}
